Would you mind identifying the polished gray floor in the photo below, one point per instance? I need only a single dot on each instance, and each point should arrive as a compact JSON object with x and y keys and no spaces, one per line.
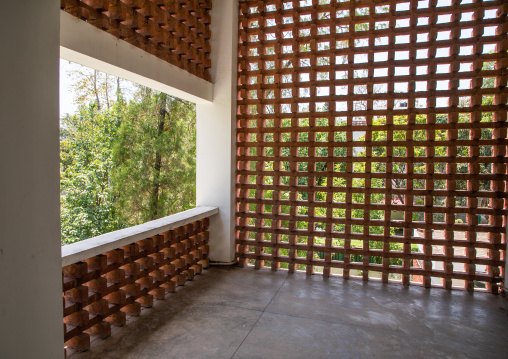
{"x":245,"y":313}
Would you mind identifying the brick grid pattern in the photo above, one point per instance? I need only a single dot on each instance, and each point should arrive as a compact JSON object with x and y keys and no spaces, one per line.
{"x":177,"y":31}
{"x":367,"y":128}
{"x":103,"y":290}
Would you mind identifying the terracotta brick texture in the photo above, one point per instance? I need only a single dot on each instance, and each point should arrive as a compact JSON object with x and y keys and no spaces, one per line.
{"x":177,"y":31}
{"x":365,"y":126}
{"x":101,"y":291}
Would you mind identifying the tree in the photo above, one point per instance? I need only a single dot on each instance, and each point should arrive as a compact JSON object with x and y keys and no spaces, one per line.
{"x":154,"y":156}
{"x":90,"y":85}
{"x":88,"y":205}
{"x":124,"y":162}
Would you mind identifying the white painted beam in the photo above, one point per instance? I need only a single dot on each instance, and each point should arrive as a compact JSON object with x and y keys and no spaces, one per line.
{"x":87,"y":45}
{"x":216,"y":145}
{"x":88,"y":248}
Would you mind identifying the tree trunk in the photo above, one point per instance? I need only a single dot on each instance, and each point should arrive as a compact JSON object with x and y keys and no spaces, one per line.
{"x":156,"y":185}
{"x":118,"y":91}
{"x":107,"y":92}
{"x":399,"y":196}
{"x":96,"y":91}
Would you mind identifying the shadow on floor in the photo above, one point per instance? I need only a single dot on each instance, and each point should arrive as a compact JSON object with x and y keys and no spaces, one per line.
{"x":228,"y":312}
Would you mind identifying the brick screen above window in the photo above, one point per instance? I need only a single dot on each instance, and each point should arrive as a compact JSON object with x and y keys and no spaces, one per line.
{"x":177,"y":31}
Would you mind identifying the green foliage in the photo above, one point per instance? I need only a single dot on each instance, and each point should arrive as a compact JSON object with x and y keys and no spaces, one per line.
{"x":126,"y":165}
{"x":154,"y":157}
{"x":87,"y":204}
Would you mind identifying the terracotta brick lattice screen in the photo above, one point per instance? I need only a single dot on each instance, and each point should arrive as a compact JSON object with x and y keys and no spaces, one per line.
{"x":177,"y":31}
{"x":101,"y":291}
{"x":372,"y":139}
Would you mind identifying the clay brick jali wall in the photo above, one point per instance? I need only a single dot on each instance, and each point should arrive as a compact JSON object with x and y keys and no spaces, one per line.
{"x":103,"y":290}
{"x":177,"y":31}
{"x":364,"y":128}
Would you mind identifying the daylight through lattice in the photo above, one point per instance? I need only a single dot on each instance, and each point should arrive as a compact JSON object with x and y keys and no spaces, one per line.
{"x":372,"y":139}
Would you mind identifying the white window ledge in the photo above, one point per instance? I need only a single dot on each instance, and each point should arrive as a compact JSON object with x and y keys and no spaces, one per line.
{"x":88,"y":248}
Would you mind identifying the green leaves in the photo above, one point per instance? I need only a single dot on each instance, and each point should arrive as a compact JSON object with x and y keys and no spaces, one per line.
{"x":124,"y":166}
{"x":154,"y":155}
{"x":87,"y":204}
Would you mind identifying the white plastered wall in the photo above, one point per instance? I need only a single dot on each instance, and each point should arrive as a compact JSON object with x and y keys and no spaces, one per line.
{"x":30,"y":263}
{"x":216,"y":148}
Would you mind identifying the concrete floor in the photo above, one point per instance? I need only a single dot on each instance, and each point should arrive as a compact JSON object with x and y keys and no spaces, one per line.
{"x":243,"y":313}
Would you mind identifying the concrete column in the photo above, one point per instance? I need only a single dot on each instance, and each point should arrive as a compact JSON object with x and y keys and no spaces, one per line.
{"x":30,"y":260}
{"x":216,"y":132}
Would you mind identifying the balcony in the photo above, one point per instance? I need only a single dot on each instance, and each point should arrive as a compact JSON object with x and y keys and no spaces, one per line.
{"x":151,"y":294}
{"x":352,"y":138}
{"x":231,"y":312}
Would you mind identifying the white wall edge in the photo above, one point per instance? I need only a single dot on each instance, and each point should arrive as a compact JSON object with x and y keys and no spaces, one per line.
{"x":87,"y":45}
{"x":216,"y":136}
{"x":88,"y":248}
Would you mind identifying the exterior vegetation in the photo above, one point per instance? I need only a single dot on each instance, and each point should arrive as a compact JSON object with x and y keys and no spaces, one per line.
{"x":123,"y":162}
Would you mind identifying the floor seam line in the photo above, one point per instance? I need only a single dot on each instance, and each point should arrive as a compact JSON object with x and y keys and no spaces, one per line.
{"x":260,"y":315}
{"x":211,"y":304}
{"x":321,"y":320}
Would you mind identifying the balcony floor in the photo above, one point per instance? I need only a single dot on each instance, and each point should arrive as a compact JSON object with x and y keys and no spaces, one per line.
{"x":243,"y":313}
